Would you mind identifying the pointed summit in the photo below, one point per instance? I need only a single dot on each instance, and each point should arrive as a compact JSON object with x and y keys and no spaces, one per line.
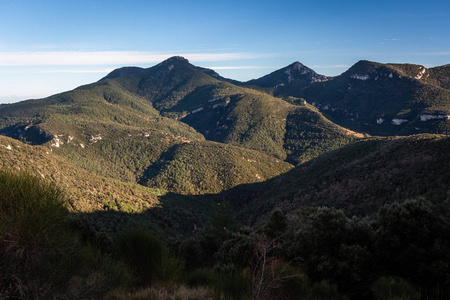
{"x":297,"y":70}
{"x":178,"y":60}
{"x":293,"y":73}
{"x":163,"y":84}
{"x":174,"y":62}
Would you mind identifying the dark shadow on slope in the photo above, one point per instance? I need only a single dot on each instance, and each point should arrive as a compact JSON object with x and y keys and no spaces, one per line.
{"x":358,"y":178}
{"x":154,"y":169}
{"x":176,"y":216}
{"x":29,"y":134}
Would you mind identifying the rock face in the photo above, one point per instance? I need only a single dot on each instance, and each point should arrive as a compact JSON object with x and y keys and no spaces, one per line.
{"x":433,"y":117}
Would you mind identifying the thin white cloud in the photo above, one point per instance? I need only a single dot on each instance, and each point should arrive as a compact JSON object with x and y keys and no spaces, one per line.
{"x":76,"y":71}
{"x":67,"y":58}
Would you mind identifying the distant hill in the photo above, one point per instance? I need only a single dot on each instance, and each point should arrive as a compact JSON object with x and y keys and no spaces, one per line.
{"x":357,"y":178}
{"x":112,"y":129}
{"x":296,"y":73}
{"x":439,"y":76}
{"x":231,"y":114}
{"x":381,"y":99}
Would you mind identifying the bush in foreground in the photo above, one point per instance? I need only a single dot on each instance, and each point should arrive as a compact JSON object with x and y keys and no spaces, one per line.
{"x":40,"y":255}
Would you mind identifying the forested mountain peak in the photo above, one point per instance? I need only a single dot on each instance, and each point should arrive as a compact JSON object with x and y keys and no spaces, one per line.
{"x":299,"y":70}
{"x":175,"y":61}
{"x":292,"y":73}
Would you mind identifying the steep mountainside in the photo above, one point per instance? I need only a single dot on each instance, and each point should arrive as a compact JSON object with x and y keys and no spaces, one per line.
{"x":106,"y":204}
{"x":106,"y":137}
{"x":226,"y":113}
{"x":254,"y":120}
{"x":383,"y":99}
{"x":100,"y":127}
{"x":358,"y":178}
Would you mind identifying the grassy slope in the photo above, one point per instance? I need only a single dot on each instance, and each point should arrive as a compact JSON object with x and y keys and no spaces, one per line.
{"x":357,"y":178}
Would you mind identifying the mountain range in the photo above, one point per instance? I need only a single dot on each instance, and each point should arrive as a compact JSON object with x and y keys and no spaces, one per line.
{"x":295,"y":185}
{"x":179,"y":128}
{"x":375,"y":98}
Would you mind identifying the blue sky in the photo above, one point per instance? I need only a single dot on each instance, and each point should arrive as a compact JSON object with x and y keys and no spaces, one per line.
{"x":50,"y":46}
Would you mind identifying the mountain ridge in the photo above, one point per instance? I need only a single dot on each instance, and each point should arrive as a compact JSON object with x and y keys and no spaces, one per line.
{"x":111,"y":127}
{"x":382,"y":99}
{"x":143,"y":108}
{"x":358,"y":178}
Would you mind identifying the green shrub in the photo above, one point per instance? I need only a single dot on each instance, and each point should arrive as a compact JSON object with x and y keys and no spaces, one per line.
{"x":294,"y":285}
{"x":390,"y":288}
{"x":40,"y":255}
{"x":172,"y":268}
{"x":325,"y":291}
{"x":226,"y":281}
{"x":146,"y":257}
{"x":200,"y":277}
{"x":31,"y":213}
{"x":191,"y":251}
{"x":231,"y":283}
